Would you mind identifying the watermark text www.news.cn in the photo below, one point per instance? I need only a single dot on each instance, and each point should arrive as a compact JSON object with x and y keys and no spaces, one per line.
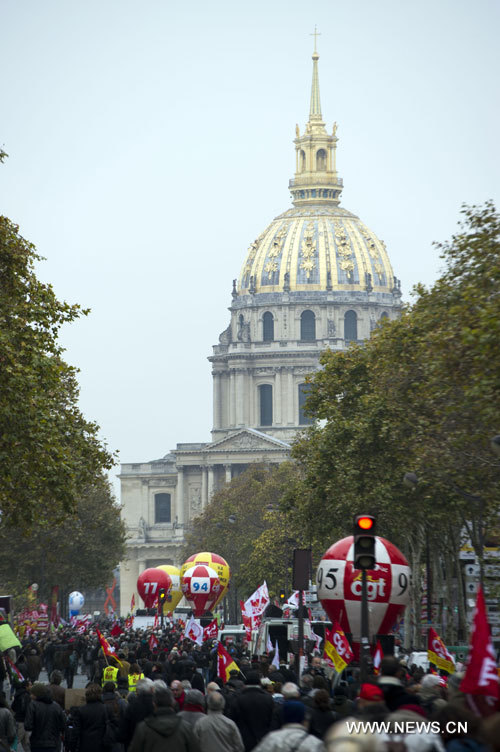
{"x":405,"y":727}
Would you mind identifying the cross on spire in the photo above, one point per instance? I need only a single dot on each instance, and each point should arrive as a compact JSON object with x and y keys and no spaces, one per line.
{"x":315,"y":35}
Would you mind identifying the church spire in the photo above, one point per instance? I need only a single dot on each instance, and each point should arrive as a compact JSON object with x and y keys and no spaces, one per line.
{"x":316,"y":180}
{"x":315,"y":109}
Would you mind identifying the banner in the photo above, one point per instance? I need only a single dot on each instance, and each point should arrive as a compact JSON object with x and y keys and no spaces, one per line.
{"x":337,"y":649}
{"x":438,"y":653}
{"x":225,"y":664}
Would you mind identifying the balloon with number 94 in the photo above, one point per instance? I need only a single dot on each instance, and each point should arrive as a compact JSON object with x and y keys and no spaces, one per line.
{"x":201,"y":587}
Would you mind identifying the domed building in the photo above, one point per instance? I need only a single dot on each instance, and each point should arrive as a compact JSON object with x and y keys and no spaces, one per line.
{"x":316,"y":277}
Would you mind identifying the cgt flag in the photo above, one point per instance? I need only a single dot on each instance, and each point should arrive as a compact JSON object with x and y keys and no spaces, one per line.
{"x":225,"y":664}
{"x":211,"y":631}
{"x":438,"y":653}
{"x":481,"y":677}
{"x":337,"y":649}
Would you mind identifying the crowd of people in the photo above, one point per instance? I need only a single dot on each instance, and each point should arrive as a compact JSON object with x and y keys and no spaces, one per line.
{"x":163,"y":694}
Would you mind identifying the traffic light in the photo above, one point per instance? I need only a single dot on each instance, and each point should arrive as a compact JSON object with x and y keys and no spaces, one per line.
{"x":364,"y":542}
{"x":161,"y":596}
{"x":282,"y":596}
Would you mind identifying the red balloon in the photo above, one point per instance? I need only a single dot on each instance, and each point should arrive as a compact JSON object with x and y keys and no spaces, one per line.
{"x":339,"y":587}
{"x":149,"y":584}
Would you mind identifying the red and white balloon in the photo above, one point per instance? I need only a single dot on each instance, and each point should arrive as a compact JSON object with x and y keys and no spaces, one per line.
{"x":339,"y":587}
{"x":201,"y":587}
{"x":149,"y":584}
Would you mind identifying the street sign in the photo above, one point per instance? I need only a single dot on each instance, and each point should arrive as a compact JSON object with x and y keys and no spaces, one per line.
{"x":491,"y":570}
{"x":471,"y":587}
{"x":471,"y":570}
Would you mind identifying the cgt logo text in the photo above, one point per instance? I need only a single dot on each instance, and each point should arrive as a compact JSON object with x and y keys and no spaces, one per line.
{"x":374,"y":588}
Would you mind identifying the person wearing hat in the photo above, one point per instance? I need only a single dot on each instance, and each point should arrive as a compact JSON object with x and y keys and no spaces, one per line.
{"x":293,"y":735}
{"x":370,"y":703}
{"x":194,"y":707}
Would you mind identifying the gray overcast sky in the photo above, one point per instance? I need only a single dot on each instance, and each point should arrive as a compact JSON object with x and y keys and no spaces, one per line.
{"x":150,"y":142}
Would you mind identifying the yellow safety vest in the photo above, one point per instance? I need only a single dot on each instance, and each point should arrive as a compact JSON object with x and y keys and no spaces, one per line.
{"x":132,"y":681}
{"x":109,"y":674}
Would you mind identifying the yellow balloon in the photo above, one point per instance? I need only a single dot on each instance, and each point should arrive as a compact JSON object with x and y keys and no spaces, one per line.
{"x":217,"y":563}
{"x":176,"y":592}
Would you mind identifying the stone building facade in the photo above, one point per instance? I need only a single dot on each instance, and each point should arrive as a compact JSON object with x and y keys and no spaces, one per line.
{"x":316,"y":278}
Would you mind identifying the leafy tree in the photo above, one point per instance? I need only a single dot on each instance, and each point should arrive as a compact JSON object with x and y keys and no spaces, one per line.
{"x":422,"y":395}
{"x":49,"y":453}
{"x":80,"y":552}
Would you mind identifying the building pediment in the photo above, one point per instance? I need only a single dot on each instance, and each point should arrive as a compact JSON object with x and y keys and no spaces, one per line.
{"x":247,"y":440}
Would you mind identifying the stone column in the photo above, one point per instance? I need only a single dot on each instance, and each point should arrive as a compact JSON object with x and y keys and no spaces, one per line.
{"x":180,"y":496}
{"x":204,"y":494}
{"x":239,"y":396}
{"x":141,"y":566}
{"x":232,"y":399}
{"x":277,"y":397}
{"x":210,"y":481}
{"x":217,"y":400}
{"x":227,"y":468}
{"x":289,"y":399}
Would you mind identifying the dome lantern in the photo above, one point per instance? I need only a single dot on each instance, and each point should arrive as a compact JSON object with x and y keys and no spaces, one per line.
{"x":316,"y":180}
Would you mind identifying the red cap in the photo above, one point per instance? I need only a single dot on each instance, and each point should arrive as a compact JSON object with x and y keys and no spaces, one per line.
{"x":371,"y":692}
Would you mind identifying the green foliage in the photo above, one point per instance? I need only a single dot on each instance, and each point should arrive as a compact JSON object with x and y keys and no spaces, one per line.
{"x":48,"y":452}
{"x":258,"y":545}
{"x":80,"y":552}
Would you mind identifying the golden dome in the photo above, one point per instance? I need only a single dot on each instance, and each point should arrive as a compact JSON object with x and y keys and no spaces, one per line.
{"x":316,"y":245}
{"x":322,"y":247}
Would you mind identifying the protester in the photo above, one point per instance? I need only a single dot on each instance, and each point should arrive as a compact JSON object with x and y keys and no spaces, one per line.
{"x":293,"y":734}
{"x":7,"y":722}
{"x":215,"y":732}
{"x":252,"y":711}
{"x":45,"y":719}
{"x":194,"y":707}
{"x":164,"y":730}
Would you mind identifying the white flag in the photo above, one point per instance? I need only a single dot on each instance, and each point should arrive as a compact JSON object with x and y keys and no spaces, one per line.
{"x":269,"y":645}
{"x":276,"y":659}
{"x":194,"y":631}
{"x":256,"y":604}
{"x":293,"y":600}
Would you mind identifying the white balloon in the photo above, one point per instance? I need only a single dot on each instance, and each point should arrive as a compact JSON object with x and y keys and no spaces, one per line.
{"x":76,"y":601}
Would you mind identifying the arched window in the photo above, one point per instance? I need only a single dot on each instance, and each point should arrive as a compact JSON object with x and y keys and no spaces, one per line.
{"x":163,"y":512}
{"x":268,"y":327}
{"x":304,"y":419}
{"x":385,"y":315}
{"x":266,"y":404}
{"x":302,"y":161}
{"x":321,"y":160}
{"x":307,"y":326}
{"x":350,"y":326}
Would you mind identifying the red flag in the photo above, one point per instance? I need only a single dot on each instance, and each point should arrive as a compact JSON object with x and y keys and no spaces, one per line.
{"x":15,"y":669}
{"x":211,"y":631}
{"x":117,"y":630}
{"x":155,"y":623}
{"x":132,"y":603}
{"x":153,"y":642}
{"x":106,"y":648}
{"x":481,"y":677}
{"x":225,"y":663}
{"x":377,"y":658}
